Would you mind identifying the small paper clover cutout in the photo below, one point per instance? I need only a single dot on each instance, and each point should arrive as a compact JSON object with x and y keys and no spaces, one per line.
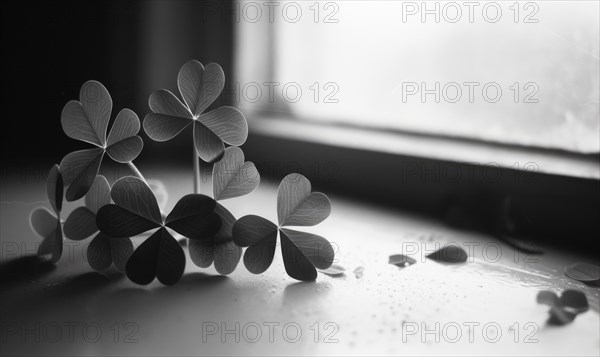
{"x":302,"y":252}
{"x":450,"y":254}
{"x":401,"y":260}
{"x":199,"y":86}
{"x":103,"y":250}
{"x":87,"y":120}
{"x":584,"y":272}
{"x":334,"y":270}
{"x":565,"y":308}
{"x":232,"y":177}
{"x":47,"y":224}
{"x":136,"y":211}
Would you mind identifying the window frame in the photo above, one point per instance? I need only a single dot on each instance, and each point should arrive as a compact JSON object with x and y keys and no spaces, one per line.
{"x":405,"y":170}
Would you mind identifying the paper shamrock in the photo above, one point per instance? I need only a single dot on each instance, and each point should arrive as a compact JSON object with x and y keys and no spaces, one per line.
{"x":136,"y":211}
{"x":302,"y":252}
{"x":87,"y":120}
{"x":199,"y":86}
{"x":81,"y":223}
{"x":47,"y":224}
{"x":232,"y":177}
{"x":565,"y":308}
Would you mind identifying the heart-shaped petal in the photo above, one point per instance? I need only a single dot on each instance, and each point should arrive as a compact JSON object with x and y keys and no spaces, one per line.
{"x":141,"y":267}
{"x":208,"y":145}
{"x":227,"y":256}
{"x":52,"y":244}
{"x":200,"y":86}
{"x":314,"y":209}
{"x":251,"y":229}
{"x":97,"y":105}
{"x":104,"y":250}
{"x":120,"y":251}
{"x":87,"y":120}
{"x":79,"y":170}
{"x":118,"y":222}
{"x":164,"y":102}
{"x":76,"y":124}
{"x":98,"y":195}
{"x":296,"y":264}
{"x":202,"y":252}
{"x":563,"y":310}
{"x":54,"y":188}
{"x":220,"y":248}
{"x":574,"y":300}
{"x":228,"y":123}
{"x":194,"y":217}
{"x":171,"y":259}
{"x":42,"y":221}
{"x":98,"y":252}
{"x":547,"y":297}
{"x":123,"y":144}
{"x":126,"y":125}
{"x":160,"y":256}
{"x":126,"y":150}
{"x":297,"y":206}
{"x":232,"y":177}
{"x":313,"y":247}
{"x":260,"y":236}
{"x":259,"y":257}
{"x":560,"y":316}
{"x":225,"y":232}
{"x":401,"y":260}
{"x":135,"y":196}
{"x":80,"y":224}
{"x":161,"y":127}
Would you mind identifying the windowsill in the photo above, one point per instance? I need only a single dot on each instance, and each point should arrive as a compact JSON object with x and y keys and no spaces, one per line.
{"x":169,"y":320}
{"x":432,"y":147}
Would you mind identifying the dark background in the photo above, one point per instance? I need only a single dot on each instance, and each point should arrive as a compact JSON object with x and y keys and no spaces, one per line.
{"x":52,"y":48}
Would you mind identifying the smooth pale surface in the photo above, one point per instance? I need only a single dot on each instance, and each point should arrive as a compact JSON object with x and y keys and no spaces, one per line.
{"x":367,"y":313}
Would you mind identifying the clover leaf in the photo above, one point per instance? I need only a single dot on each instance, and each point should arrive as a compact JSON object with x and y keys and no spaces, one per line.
{"x":47,"y":224}
{"x":218,"y":248}
{"x":565,"y":308}
{"x":136,"y":211}
{"x":199,"y":86}
{"x":302,"y":252}
{"x":103,"y":250}
{"x":401,"y":260}
{"x":87,"y":120}
{"x":232,"y":177}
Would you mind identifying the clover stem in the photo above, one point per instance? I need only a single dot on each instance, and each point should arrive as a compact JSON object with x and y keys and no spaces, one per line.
{"x":196,"y":172}
{"x":136,"y":172}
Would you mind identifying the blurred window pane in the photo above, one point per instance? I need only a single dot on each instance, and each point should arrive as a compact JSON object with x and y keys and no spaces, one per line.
{"x":523,"y":73}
